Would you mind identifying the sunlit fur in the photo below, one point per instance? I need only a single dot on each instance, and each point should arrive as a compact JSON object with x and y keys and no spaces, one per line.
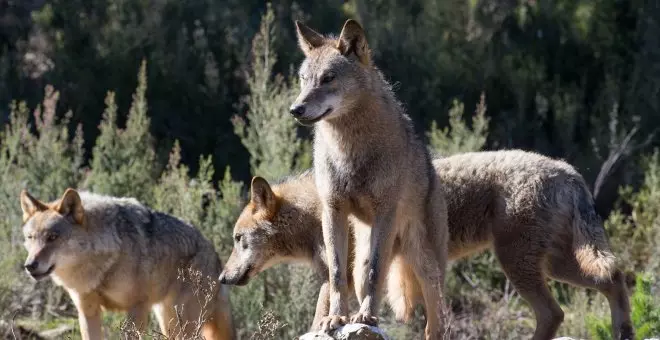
{"x":369,"y":164}
{"x":536,"y":213}
{"x":117,"y":254}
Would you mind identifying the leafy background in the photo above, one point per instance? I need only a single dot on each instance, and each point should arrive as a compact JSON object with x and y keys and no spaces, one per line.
{"x":578,"y":80}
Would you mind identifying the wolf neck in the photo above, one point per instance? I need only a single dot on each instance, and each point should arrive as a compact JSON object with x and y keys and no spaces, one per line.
{"x":301,"y":239}
{"x":375,"y":118}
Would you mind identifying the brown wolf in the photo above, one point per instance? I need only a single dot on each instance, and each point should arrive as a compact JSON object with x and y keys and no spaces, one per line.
{"x":535,"y":212}
{"x":369,"y":164}
{"x":115,"y":253}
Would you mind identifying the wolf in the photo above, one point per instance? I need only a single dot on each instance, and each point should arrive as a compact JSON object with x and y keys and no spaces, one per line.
{"x":117,"y":254}
{"x":535,"y":212}
{"x":369,"y":164}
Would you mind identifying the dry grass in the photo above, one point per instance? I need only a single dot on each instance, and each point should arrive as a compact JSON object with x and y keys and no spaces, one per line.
{"x":204,"y":289}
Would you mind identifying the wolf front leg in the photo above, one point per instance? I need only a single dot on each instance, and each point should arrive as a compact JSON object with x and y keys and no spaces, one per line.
{"x":322,"y":306}
{"x":138,"y":317}
{"x":89,"y":315}
{"x":335,"y":236}
{"x":381,"y":246}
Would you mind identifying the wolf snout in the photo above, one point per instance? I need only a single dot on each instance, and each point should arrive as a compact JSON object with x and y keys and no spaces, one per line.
{"x":235,"y":277}
{"x":223,"y":278}
{"x":297,"y":110}
{"x":31,"y":266}
{"x":35,"y":270}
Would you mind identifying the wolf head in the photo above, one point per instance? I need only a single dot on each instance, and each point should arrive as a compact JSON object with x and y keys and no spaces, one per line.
{"x":48,"y":229}
{"x":333,"y":74}
{"x":256,"y":245}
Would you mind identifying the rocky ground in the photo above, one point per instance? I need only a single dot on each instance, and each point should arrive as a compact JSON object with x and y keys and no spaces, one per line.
{"x":364,"y":332}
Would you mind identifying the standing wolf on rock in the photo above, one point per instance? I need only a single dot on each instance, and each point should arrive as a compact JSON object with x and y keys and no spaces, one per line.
{"x":535,"y":212}
{"x":369,"y":164}
{"x":117,"y":254}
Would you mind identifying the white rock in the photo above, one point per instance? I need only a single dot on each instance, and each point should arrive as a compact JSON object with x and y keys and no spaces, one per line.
{"x":354,"y":331}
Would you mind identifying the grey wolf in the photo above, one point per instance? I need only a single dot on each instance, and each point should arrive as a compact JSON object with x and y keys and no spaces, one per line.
{"x":117,"y":254}
{"x":369,"y":164}
{"x":536,"y":213}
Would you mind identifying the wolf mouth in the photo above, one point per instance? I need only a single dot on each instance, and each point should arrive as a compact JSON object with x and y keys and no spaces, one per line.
{"x":308,"y":122}
{"x":40,"y":276}
{"x":243,"y":280}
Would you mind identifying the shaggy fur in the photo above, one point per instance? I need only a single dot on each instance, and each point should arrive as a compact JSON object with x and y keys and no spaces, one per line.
{"x":536,"y":213}
{"x":118,"y":254}
{"x":369,"y":165}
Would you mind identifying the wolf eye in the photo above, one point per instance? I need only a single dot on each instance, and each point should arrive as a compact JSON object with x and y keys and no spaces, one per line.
{"x":29,"y":237}
{"x":327,"y":78}
{"x":52,"y":237}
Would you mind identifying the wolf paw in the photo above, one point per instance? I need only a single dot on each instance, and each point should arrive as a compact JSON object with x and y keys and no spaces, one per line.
{"x":365,"y":318}
{"x":332,"y":322}
{"x":626,"y":332}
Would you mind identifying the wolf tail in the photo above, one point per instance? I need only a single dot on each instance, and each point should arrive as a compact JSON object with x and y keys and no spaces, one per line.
{"x":402,"y":290}
{"x":590,"y":244}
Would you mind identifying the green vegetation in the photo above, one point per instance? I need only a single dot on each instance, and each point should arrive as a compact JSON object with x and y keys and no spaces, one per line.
{"x":210,"y":109}
{"x":645,"y":316}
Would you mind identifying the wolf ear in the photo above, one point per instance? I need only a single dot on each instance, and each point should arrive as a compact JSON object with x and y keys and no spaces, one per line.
{"x":70,"y":204}
{"x":308,"y":39}
{"x":30,"y":205}
{"x":353,"y":40}
{"x":262,"y":195}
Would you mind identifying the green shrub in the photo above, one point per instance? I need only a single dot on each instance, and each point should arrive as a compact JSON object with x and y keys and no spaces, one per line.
{"x":270,"y":136}
{"x":124,"y":160}
{"x":645,"y":313}
{"x":40,"y":155}
{"x":458,"y":136}
{"x":635,"y":236}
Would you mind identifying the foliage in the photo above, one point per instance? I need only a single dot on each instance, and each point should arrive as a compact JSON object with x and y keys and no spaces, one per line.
{"x":270,"y":134}
{"x":275,"y":150}
{"x":46,"y":160}
{"x":634,"y":236}
{"x":645,"y":313}
{"x":123,"y":159}
{"x":458,"y":137}
{"x":555,"y":73}
{"x":181,"y":196}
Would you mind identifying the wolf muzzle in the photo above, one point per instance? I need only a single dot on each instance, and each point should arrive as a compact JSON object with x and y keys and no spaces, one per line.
{"x":241,"y":280}
{"x":32,"y":268}
{"x":297,"y":110}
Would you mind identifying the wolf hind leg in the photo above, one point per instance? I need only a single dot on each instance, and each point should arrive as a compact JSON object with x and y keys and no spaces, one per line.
{"x":421,"y":255}
{"x":521,"y":258}
{"x":567,"y":269}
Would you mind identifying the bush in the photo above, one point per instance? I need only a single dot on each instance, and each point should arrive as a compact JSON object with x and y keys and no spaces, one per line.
{"x":645,"y":313}
{"x":458,"y":137}
{"x":270,"y":136}
{"x":37,"y":154}
{"x":124,"y":160}
{"x":38,"y":151}
{"x":635,"y":236}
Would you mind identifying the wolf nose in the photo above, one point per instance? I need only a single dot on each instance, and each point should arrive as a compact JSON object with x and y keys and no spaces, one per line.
{"x":31,"y":266}
{"x":222,"y":278}
{"x":297,"y":110}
